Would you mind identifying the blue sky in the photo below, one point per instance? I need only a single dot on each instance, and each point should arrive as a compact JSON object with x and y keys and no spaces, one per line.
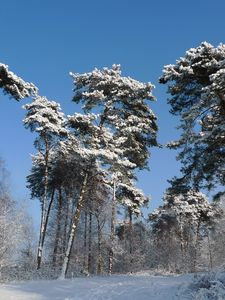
{"x":43,"y":40}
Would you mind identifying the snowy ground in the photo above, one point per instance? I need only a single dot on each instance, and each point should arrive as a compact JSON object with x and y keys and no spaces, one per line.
{"x":135,"y":287}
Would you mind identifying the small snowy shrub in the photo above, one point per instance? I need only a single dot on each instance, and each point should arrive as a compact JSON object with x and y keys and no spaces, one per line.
{"x":208,"y":286}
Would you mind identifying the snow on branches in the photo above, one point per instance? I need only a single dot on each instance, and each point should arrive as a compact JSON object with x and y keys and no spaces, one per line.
{"x":122,"y":106}
{"x":125,"y":126}
{"x":196,"y":84}
{"x":131,"y":197}
{"x":45,"y":117}
{"x":14,"y":85}
{"x":188,"y":208}
{"x":109,"y":84}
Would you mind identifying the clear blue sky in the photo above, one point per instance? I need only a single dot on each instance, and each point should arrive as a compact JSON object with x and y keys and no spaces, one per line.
{"x":43,"y":40}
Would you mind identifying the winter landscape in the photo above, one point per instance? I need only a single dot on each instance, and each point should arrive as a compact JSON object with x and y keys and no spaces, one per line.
{"x":116,"y":191}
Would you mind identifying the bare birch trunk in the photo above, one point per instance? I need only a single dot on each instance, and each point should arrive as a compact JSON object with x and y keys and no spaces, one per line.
{"x":73,"y":229}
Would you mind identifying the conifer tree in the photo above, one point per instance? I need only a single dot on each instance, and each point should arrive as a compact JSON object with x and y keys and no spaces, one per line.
{"x":44,"y":118}
{"x":181,"y":221}
{"x":196,"y":84}
{"x":125,"y":126}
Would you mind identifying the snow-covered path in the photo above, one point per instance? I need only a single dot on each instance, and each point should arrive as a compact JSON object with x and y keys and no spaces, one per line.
{"x":98,"y":288}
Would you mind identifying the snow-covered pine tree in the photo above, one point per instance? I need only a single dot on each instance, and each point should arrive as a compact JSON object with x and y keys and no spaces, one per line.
{"x":15,"y":86}
{"x":122,"y":103}
{"x":45,"y":118}
{"x":122,"y":106}
{"x":196,"y":84}
{"x":182,"y":220}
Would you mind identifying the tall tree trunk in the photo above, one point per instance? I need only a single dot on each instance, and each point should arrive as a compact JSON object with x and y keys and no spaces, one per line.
{"x":85,"y":243}
{"x":44,"y":207}
{"x":43,"y":229}
{"x":112,"y":233}
{"x":65,"y":229}
{"x":73,"y":229}
{"x":210,"y":251}
{"x":130,"y":238}
{"x":58,"y":229}
{"x":90,"y":243}
{"x":196,"y":248}
{"x":99,"y":263}
{"x":181,"y":234}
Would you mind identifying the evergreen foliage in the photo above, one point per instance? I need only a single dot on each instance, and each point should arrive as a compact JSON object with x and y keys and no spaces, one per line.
{"x":196,"y":88}
{"x":15,"y":86}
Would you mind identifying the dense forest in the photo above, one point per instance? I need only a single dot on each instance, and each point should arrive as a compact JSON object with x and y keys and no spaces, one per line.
{"x":84,"y":175}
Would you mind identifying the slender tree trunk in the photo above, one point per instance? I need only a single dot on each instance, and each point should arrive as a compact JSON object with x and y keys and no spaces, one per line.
{"x":99,"y":264}
{"x":58,"y":229}
{"x":43,"y":229}
{"x":90,"y":243}
{"x":196,"y":248}
{"x":44,"y":207}
{"x":210,"y":251}
{"x":183,"y":265}
{"x":85,"y":243}
{"x":39,"y":250}
{"x":130,"y":238}
{"x":65,"y":229}
{"x":73,"y":229}
{"x":112,"y":233}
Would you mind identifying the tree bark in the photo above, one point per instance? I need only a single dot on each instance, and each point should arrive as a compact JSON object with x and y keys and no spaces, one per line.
{"x":85,"y":243}
{"x":58,"y":229}
{"x":43,"y":229}
{"x":90,"y":243}
{"x":112,"y":233}
{"x":65,"y":228}
{"x":210,"y":251}
{"x":44,"y":206}
{"x":196,"y":248}
{"x":99,"y":264}
{"x":130,"y":238}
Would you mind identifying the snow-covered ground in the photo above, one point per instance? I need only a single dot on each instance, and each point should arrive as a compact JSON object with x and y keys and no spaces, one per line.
{"x":135,"y":287}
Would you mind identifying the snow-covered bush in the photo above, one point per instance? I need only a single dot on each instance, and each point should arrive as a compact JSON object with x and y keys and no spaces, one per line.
{"x":210,"y":286}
